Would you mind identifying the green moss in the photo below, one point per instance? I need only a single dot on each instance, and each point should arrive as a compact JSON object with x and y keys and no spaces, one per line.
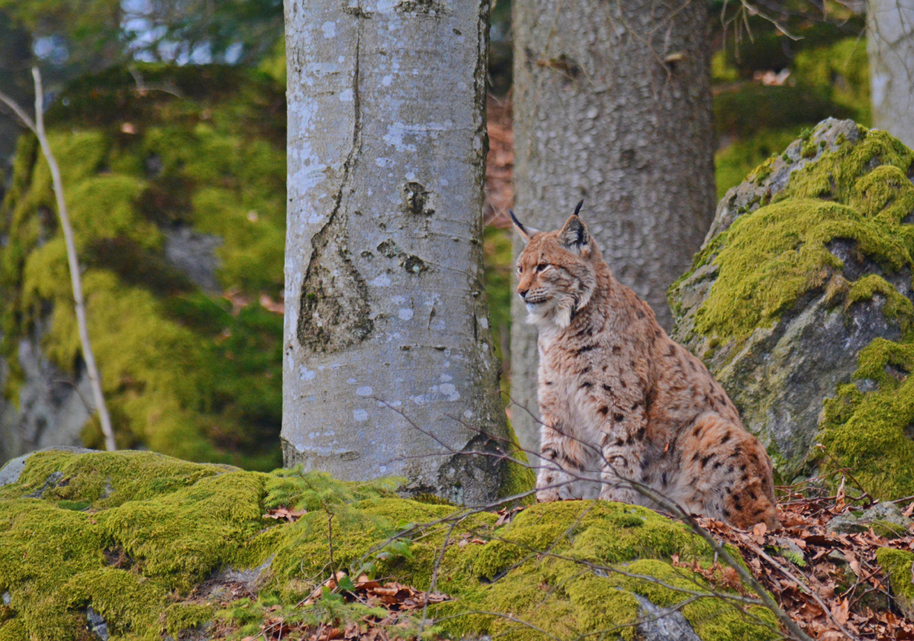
{"x":130,"y":604}
{"x":155,"y":527}
{"x":897,"y":565}
{"x":869,"y":433}
{"x":897,"y":306}
{"x":770,"y":258}
{"x":184,"y":372}
{"x":499,"y":282}
{"x":186,"y":616}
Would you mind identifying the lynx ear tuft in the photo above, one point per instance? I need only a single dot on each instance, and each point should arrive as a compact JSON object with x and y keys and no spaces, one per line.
{"x":574,"y":235}
{"x":526,"y":233}
{"x":577,"y":209}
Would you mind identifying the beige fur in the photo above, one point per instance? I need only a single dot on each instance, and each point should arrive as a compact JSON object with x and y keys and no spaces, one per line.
{"x":621,"y":402}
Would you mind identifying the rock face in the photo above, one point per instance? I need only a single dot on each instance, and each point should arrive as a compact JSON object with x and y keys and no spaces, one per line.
{"x":51,"y":406}
{"x":800,"y":304}
{"x":144,"y":546}
{"x":177,"y":199}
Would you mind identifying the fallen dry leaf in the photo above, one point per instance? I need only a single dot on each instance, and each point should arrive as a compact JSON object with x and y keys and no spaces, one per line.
{"x":282,"y":513}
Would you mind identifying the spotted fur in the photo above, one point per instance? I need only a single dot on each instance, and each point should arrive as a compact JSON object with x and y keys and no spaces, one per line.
{"x":621,"y":401}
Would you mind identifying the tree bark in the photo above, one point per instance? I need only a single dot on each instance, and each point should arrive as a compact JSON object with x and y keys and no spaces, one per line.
{"x":890,"y":27}
{"x":389,"y":365}
{"x":612,"y":104}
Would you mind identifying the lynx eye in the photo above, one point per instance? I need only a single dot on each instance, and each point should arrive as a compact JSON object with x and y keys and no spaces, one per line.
{"x":542,"y":267}
{"x":520,"y":269}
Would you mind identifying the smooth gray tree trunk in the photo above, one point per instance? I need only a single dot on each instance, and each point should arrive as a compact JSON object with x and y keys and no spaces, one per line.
{"x":890,"y":26}
{"x":389,"y":366}
{"x":612,"y":104}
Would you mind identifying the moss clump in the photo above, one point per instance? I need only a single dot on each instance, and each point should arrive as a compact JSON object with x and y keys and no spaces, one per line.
{"x":897,"y":564}
{"x":870,"y":432}
{"x":186,"y":616}
{"x":185,"y":371}
{"x":156,"y":527}
{"x":897,"y":306}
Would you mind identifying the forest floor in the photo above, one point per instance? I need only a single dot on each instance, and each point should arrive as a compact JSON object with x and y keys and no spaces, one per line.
{"x":829,"y":582}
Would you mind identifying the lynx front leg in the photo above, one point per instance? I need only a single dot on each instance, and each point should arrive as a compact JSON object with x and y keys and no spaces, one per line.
{"x":620,"y":464}
{"x":563,"y":472}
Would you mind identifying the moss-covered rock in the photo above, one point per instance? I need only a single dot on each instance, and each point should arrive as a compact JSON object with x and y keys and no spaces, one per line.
{"x":175,"y":182}
{"x":800,"y":303}
{"x":151,"y":544}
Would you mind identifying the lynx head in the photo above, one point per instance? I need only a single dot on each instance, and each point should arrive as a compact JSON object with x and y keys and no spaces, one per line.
{"x":557,"y":271}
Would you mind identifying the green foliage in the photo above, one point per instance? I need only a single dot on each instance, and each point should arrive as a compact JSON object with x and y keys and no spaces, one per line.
{"x":107,"y":32}
{"x":767,"y":48}
{"x":843,"y":69}
{"x":757,"y":107}
{"x":184,"y":371}
{"x":828,"y":78}
{"x":155,"y":527}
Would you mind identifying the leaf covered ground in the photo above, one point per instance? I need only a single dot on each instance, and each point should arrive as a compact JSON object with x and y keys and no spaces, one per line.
{"x":835,"y":584}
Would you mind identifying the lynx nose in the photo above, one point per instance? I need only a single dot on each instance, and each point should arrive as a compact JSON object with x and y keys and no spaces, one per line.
{"x":522,"y":293}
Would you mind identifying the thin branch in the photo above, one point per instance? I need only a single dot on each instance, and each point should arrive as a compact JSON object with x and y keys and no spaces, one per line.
{"x":37,"y":128}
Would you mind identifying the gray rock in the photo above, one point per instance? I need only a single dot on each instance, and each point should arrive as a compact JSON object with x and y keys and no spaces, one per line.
{"x":886,"y":512}
{"x":13,"y":469}
{"x":846,"y":524}
{"x":885,"y":519}
{"x":97,"y":624}
{"x":791,"y":551}
{"x":252,"y":578}
{"x":194,"y":255}
{"x":53,"y":406}
{"x":663,"y":624}
{"x":11,"y":472}
{"x":780,"y":375}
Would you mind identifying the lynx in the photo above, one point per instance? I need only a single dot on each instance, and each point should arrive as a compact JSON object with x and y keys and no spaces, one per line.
{"x":627,"y":411}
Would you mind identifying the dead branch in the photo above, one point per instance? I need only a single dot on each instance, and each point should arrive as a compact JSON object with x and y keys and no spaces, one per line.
{"x":37,"y":128}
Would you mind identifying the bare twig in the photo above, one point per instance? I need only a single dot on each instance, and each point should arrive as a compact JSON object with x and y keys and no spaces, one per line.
{"x":330,"y":544}
{"x":37,"y":128}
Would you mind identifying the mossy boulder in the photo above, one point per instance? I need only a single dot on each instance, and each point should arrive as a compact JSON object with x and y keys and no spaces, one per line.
{"x":151,"y":546}
{"x":175,"y":183}
{"x":800,"y":303}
